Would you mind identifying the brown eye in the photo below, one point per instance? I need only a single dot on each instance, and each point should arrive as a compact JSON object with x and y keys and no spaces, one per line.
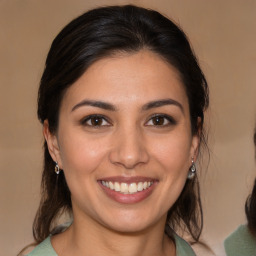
{"x":158,"y":120}
{"x":95,"y":121}
{"x":161,"y":120}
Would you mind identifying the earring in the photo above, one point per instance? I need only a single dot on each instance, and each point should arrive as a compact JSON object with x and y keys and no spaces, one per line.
{"x":192,"y":170}
{"x":57,"y":168}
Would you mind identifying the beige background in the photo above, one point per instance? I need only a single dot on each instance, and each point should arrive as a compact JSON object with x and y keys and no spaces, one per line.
{"x":223,"y":34}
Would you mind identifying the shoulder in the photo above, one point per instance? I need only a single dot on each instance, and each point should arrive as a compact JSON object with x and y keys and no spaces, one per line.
{"x":240,"y":242}
{"x":43,"y":249}
{"x":182,"y":247}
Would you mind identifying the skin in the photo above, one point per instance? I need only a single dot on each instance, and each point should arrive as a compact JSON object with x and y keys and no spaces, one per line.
{"x":127,"y":143}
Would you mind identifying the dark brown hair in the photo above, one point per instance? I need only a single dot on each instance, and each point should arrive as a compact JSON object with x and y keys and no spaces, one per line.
{"x":97,"y":34}
{"x":250,"y":205}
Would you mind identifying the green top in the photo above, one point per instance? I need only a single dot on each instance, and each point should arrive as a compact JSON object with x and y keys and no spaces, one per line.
{"x":240,"y":243}
{"x":45,"y":248}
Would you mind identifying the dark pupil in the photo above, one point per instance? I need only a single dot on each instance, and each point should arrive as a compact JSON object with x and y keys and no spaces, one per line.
{"x":96,"y":121}
{"x":158,"y":120}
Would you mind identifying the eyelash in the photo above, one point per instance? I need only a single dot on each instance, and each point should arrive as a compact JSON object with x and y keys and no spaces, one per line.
{"x":168,"y":120}
{"x":91,"y":117}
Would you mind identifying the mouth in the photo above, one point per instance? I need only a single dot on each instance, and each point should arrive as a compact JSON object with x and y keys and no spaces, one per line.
{"x":127,"y":188}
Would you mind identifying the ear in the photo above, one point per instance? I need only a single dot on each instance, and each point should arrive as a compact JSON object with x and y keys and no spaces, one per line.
{"x":52,"y":144}
{"x":196,"y":140}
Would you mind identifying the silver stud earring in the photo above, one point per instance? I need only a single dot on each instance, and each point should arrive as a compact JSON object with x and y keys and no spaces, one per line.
{"x":57,"y":168}
{"x":192,"y":170}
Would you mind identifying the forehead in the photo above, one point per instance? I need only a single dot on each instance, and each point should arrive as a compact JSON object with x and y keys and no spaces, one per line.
{"x":127,"y":78}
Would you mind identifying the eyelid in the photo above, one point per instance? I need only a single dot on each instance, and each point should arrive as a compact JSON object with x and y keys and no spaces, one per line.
{"x":170,"y":119}
{"x":89,"y":117}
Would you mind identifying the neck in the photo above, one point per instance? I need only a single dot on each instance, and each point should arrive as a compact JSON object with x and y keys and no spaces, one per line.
{"x":87,"y":238}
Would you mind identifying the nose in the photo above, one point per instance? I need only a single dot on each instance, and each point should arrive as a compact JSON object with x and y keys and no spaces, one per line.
{"x":129,"y":149}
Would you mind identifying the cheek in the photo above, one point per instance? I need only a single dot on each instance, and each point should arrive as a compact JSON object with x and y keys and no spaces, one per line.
{"x":173,"y":152}
{"x":80,"y":155}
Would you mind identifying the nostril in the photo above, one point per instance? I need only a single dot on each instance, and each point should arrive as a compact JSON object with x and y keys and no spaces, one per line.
{"x":128,"y":157}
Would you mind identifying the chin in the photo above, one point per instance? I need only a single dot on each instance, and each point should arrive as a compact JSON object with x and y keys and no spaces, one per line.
{"x":130,"y":224}
{"x":129,"y":229}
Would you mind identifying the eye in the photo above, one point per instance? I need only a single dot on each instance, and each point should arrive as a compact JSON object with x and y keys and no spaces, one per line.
{"x":95,"y":121}
{"x":160,"y":120}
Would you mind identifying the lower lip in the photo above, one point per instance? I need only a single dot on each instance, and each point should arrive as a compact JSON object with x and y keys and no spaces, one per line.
{"x":128,"y":198}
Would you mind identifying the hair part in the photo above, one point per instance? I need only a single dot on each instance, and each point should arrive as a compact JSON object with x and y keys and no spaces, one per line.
{"x":92,"y":36}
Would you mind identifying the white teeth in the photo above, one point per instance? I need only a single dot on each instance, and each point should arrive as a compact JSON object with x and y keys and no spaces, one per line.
{"x":117,"y":187}
{"x":140,"y":186}
{"x":126,"y":188}
{"x":132,"y":188}
{"x":111,"y":185}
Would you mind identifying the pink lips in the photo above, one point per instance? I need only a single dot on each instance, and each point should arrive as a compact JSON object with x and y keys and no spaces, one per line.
{"x":128,"y":198}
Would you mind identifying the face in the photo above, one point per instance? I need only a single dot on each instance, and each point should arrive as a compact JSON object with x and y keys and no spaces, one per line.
{"x":124,"y":141}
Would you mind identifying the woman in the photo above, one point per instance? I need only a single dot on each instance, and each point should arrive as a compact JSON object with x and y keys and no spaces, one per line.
{"x":243,"y":240}
{"x":122,"y":101}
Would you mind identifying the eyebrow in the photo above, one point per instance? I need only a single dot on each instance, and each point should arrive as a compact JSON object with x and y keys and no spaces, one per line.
{"x":111,"y":107}
{"x":163,"y":102}
{"x":95,"y":103}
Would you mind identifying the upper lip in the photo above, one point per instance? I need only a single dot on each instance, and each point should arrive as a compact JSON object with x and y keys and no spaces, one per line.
{"x":128,"y":180}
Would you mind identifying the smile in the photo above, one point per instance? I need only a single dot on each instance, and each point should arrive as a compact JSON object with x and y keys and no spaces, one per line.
{"x":127,"y":188}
